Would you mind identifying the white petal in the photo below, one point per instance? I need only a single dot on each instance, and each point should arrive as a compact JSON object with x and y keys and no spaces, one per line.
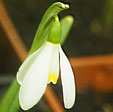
{"x":35,"y":80}
{"x":26,"y":64}
{"x":68,"y":81}
{"x":54,"y":67}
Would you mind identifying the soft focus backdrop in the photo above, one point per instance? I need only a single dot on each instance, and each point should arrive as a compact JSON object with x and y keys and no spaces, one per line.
{"x":91,"y":35}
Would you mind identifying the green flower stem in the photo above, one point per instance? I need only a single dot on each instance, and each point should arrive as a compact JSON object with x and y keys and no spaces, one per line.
{"x":10,"y":99}
{"x":46,"y":21}
{"x":15,"y":104}
{"x":66,"y":24}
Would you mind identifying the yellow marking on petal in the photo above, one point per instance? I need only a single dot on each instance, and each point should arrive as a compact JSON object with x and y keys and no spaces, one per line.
{"x":52,"y":78}
{"x":53,"y":43}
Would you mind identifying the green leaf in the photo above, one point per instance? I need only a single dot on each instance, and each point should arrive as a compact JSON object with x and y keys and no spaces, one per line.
{"x":66,"y":24}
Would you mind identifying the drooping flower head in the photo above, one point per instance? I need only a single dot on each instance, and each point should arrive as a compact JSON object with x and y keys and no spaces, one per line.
{"x":42,"y":67}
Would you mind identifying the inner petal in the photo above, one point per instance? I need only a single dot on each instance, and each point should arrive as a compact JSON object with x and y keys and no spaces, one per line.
{"x":54,"y":66}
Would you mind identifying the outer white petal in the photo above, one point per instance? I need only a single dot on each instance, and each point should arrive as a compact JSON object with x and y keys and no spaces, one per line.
{"x":68,"y":81}
{"x":26,"y":64}
{"x":54,"y":67}
{"x":35,"y":80}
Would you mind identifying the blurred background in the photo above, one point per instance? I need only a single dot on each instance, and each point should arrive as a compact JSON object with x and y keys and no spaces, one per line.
{"x":89,"y":46}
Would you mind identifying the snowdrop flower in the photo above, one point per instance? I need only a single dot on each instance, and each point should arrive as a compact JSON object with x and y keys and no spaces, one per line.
{"x":41,"y":68}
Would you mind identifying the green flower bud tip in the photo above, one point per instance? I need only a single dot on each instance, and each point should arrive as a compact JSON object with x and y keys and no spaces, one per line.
{"x":64,"y":6}
{"x":70,"y":19}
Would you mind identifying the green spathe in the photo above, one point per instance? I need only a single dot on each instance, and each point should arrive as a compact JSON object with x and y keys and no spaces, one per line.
{"x":55,"y":32}
{"x":44,"y":26}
